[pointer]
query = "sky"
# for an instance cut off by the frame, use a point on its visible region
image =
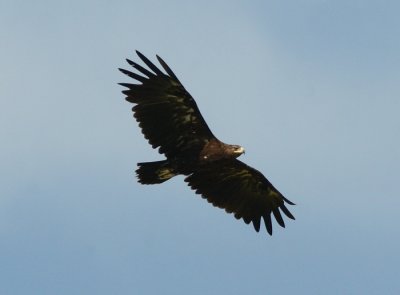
(310, 88)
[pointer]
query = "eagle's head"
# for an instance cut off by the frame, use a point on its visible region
(236, 150)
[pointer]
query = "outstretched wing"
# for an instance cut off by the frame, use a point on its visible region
(241, 190)
(166, 112)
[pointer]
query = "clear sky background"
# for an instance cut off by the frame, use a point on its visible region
(310, 88)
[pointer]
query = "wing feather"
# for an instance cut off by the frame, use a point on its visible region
(149, 63)
(133, 75)
(241, 190)
(167, 114)
(167, 68)
(140, 68)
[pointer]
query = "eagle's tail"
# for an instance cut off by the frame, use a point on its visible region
(154, 172)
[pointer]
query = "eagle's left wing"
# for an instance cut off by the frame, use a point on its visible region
(166, 112)
(241, 190)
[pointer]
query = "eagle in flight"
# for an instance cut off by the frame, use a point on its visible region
(171, 121)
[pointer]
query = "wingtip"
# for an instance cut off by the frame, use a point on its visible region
(141, 55)
(287, 201)
(167, 68)
(286, 211)
(278, 217)
(154, 68)
(256, 224)
(160, 60)
(268, 222)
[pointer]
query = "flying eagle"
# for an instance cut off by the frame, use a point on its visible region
(171, 121)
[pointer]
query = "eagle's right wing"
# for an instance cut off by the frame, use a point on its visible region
(166, 112)
(241, 190)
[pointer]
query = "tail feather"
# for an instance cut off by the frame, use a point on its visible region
(154, 172)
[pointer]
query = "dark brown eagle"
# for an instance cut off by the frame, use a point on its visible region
(171, 121)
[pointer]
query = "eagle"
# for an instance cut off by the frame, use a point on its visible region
(172, 123)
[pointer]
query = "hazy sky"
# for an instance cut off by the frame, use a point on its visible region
(310, 88)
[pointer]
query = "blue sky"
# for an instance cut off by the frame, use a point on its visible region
(310, 88)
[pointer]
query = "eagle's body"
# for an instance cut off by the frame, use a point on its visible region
(171, 121)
